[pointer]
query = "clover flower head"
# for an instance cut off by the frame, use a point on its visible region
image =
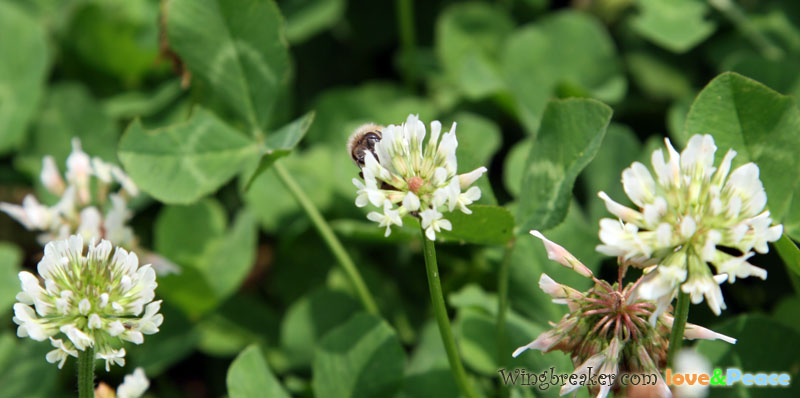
(606, 328)
(86, 205)
(408, 175)
(94, 300)
(684, 214)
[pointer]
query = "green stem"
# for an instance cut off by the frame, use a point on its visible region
(502, 308)
(329, 237)
(86, 373)
(439, 309)
(678, 326)
(405, 23)
(732, 11)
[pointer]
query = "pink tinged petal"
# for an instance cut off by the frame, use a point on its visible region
(693, 332)
(557, 253)
(543, 343)
(466, 179)
(623, 212)
(594, 362)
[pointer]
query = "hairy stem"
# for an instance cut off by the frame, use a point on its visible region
(678, 326)
(329, 237)
(439, 309)
(86, 373)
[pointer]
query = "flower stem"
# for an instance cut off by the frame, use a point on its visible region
(678, 326)
(439, 309)
(86, 373)
(405, 23)
(502, 308)
(329, 237)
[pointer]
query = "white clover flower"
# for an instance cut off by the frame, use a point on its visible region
(684, 214)
(415, 177)
(86, 207)
(134, 385)
(94, 299)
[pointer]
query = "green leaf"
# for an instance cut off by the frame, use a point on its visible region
(761, 347)
(184, 162)
(789, 253)
(659, 79)
(217, 273)
(10, 260)
(757, 122)
(361, 358)
(537, 64)
(468, 40)
(620, 148)
(22, 73)
(250, 377)
(306, 18)
(23, 369)
(569, 138)
(280, 144)
(487, 225)
(117, 38)
(514, 165)
(240, 321)
(130, 104)
(478, 140)
(676, 25)
(182, 232)
(309, 318)
(236, 48)
(69, 111)
(428, 372)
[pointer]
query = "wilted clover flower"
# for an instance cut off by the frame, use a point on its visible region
(689, 210)
(86, 207)
(94, 300)
(404, 175)
(606, 328)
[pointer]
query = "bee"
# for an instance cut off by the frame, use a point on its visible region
(364, 139)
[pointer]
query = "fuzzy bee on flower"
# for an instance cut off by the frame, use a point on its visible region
(403, 175)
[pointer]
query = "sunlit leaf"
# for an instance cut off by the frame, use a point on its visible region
(569, 138)
(184, 162)
(237, 48)
(757, 122)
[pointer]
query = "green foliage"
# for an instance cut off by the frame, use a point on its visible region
(757, 122)
(198, 100)
(237, 49)
(675, 25)
(22, 73)
(362, 357)
(10, 259)
(538, 66)
(184, 162)
(249, 376)
(568, 139)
